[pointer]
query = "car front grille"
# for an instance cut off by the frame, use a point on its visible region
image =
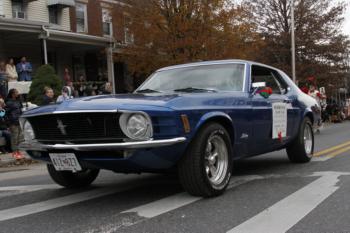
(77, 127)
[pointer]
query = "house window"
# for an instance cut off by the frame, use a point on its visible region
(81, 14)
(129, 36)
(53, 14)
(107, 22)
(18, 11)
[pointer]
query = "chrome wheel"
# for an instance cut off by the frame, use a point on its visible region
(308, 139)
(216, 159)
(205, 168)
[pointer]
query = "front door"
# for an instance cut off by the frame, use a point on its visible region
(263, 110)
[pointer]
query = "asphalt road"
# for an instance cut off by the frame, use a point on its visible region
(266, 194)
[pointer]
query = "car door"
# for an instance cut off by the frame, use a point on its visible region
(290, 99)
(262, 114)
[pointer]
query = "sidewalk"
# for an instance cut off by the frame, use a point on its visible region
(6, 160)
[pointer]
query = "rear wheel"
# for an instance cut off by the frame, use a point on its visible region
(302, 148)
(205, 169)
(69, 179)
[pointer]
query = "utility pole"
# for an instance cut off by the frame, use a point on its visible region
(293, 39)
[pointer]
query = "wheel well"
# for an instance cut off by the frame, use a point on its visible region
(310, 116)
(226, 123)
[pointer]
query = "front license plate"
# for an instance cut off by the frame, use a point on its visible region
(65, 162)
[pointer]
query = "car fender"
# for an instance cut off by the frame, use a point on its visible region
(214, 116)
(313, 113)
(306, 113)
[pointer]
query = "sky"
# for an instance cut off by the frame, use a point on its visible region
(346, 27)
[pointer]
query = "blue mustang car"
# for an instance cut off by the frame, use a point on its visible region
(196, 119)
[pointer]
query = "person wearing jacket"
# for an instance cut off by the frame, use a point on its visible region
(14, 110)
(3, 127)
(11, 71)
(3, 79)
(24, 70)
(48, 96)
(66, 94)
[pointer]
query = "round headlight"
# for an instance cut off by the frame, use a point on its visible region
(136, 126)
(28, 131)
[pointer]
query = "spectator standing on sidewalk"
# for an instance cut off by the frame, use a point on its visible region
(3, 127)
(107, 89)
(81, 86)
(66, 77)
(3, 79)
(11, 71)
(24, 70)
(14, 110)
(314, 93)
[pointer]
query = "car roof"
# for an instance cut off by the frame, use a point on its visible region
(215, 62)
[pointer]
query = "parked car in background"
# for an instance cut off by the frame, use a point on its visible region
(196, 119)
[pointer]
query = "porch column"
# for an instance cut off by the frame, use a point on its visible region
(110, 67)
(45, 51)
(43, 39)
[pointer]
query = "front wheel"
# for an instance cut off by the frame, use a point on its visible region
(302, 148)
(69, 179)
(205, 169)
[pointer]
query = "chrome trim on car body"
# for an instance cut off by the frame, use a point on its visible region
(37, 146)
(69, 112)
(82, 111)
(205, 63)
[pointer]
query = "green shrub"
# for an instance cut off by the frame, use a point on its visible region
(45, 76)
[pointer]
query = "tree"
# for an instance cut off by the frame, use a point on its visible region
(171, 32)
(44, 77)
(320, 44)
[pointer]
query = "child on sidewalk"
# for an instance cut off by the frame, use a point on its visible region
(14, 111)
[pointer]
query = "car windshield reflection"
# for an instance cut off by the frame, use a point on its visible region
(204, 78)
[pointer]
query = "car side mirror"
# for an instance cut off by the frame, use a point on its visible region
(256, 86)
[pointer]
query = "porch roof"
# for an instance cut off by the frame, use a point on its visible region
(64, 3)
(77, 38)
(50, 32)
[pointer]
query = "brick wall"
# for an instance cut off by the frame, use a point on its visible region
(118, 23)
(73, 21)
(94, 18)
(94, 13)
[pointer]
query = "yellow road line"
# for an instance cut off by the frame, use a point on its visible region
(331, 149)
(338, 152)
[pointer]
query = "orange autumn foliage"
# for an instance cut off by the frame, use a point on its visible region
(171, 32)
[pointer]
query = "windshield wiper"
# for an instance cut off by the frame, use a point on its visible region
(147, 91)
(194, 89)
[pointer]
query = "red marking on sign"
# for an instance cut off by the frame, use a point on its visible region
(280, 136)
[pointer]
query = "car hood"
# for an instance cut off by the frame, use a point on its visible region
(139, 102)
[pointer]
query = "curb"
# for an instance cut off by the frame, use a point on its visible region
(14, 162)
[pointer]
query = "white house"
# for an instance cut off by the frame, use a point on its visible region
(41, 31)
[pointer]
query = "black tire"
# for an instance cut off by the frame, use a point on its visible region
(69, 179)
(297, 153)
(192, 168)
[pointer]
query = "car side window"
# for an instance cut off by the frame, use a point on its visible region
(281, 83)
(262, 74)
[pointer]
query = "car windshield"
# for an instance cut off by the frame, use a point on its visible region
(205, 78)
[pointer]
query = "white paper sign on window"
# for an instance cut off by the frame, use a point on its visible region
(279, 120)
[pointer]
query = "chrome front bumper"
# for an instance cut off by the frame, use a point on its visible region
(37, 146)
